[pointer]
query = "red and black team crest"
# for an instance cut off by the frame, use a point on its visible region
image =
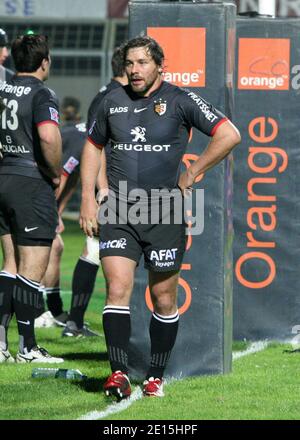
(160, 107)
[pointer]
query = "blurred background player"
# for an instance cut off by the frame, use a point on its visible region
(5, 74)
(85, 272)
(29, 175)
(73, 134)
(73, 137)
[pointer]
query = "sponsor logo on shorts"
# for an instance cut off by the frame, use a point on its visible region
(264, 64)
(113, 244)
(164, 257)
(184, 49)
(30, 229)
(113, 110)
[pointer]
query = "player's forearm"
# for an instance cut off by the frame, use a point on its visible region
(218, 148)
(89, 169)
(62, 202)
(102, 181)
(51, 146)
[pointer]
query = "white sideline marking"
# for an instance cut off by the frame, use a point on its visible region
(137, 393)
(114, 408)
(254, 348)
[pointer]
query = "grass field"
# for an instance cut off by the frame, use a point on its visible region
(263, 385)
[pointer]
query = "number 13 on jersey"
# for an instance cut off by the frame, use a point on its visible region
(9, 117)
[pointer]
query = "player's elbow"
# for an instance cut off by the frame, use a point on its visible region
(233, 137)
(236, 137)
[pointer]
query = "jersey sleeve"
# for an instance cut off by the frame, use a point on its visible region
(45, 107)
(98, 133)
(198, 113)
(72, 150)
(92, 111)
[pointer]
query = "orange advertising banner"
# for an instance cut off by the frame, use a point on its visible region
(264, 64)
(185, 54)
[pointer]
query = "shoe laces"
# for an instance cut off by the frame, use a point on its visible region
(119, 375)
(41, 350)
(153, 384)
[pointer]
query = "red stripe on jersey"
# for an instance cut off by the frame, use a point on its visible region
(217, 126)
(47, 122)
(99, 146)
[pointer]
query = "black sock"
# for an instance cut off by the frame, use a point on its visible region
(83, 283)
(54, 301)
(7, 283)
(26, 300)
(116, 325)
(41, 309)
(163, 332)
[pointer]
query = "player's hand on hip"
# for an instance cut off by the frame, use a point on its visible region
(102, 195)
(88, 216)
(185, 183)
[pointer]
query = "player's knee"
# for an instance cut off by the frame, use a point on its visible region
(164, 303)
(118, 292)
(9, 265)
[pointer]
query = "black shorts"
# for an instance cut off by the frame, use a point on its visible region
(28, 209)
(163, 245)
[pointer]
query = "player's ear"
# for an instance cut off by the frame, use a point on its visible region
(44, 64)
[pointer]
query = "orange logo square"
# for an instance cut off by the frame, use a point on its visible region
(184, 50)
(264, 64)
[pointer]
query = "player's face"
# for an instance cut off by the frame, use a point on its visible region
(3, 54)
(142, 71)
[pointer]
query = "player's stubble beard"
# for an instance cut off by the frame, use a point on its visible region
(148, 83)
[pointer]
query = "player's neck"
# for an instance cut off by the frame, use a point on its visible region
(36, 74)
(121, 79)
(156, 85)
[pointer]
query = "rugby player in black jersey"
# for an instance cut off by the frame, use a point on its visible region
(148, 124)
(29, 175)
(73, 133)
(5, 73)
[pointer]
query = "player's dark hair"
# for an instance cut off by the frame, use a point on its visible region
(151, 46)
(70, 101)
(70, 108)
(28, 52)
(117, 62)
